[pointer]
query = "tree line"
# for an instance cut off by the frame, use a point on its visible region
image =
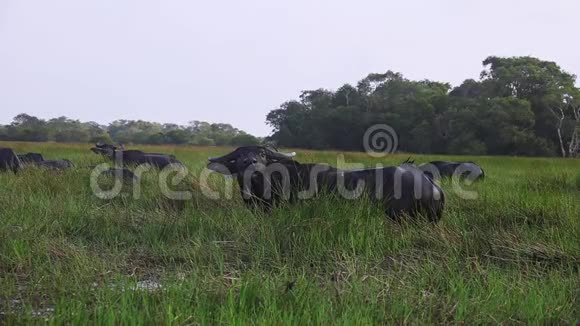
(517, 106)
(29, 128)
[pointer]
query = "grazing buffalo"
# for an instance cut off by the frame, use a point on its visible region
(443, 169)
(137, 152)
(266, 177)
(135, 157)
(9, 160)
(31, 158)
(55, 164)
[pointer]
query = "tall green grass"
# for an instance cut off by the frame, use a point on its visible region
(68, 257)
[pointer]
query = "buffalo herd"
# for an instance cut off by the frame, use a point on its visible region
(267, 177)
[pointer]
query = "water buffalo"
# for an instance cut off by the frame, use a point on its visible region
(55, 164)
(31, 158)
(266, 177)
(137, 152)
(158, 160)
(9, 160)
(443, 169)
(136, 157)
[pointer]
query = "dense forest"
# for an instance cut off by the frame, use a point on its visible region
(518, 106)
(29, 128)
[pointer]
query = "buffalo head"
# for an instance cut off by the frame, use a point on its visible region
(253, 157)
(107, 150)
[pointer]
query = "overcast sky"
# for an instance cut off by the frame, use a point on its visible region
(234, 61)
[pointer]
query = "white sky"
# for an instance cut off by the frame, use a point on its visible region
(234, 61)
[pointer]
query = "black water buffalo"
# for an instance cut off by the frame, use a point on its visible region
(266, 177)
(158, 160)
(9, 160)
(444, 169)
(136, 152)
(31, 158)
(106, 149)
(55, 164)
(136, 157)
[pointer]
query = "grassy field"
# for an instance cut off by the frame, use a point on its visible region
(67, 257)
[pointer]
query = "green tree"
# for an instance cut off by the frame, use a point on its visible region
(520, 106)
(549, 89)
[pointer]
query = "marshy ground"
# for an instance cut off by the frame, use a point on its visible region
(66, 256)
